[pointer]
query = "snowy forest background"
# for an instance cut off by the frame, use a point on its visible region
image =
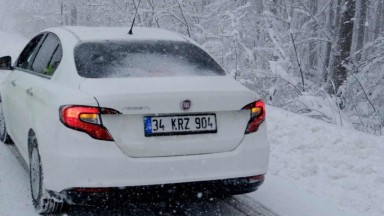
(321, 58)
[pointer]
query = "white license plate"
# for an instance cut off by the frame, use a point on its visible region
(179, 125)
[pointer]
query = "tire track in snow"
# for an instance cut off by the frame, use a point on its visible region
(248, 206)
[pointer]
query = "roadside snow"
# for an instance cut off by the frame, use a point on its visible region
(15, 196)
(321, 169)
(288, 198)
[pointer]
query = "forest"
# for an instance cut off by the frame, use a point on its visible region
(319, 58)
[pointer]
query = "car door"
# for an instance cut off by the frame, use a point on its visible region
(42, 90)
(32, 86)
(15, 95)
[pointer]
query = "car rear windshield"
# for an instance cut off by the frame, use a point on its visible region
(115, 59)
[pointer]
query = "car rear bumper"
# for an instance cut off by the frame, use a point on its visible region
(204, 189)
(80, 162)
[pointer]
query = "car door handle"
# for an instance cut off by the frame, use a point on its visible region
(13, 82)
(29, 92)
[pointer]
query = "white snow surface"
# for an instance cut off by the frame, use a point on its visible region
(15, 198)
(316, 168)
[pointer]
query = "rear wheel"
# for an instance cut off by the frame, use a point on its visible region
(45, 202)
(4, 137)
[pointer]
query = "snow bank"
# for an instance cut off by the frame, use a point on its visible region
(15, 196)
(312, 159)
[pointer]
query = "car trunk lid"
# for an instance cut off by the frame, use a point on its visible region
(138, 99)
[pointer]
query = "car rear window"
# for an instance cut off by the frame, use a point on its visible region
(114, 59)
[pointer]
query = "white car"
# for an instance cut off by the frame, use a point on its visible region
(94, 110)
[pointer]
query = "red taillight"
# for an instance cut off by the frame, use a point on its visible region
(86, 119)
(257, 112)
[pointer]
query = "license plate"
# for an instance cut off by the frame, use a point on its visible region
(179, 125)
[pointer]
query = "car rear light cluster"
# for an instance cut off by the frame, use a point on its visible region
(86, 119)
(258, 112)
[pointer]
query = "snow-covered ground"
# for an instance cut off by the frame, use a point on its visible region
(321, 169)
(316, 168)
(15, 196)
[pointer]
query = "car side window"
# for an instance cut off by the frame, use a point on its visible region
(25, 59)
(49, 56)
(55, 61)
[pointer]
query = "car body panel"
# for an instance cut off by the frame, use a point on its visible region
(81, 163)
(164, 94)
(136, 98)
(15, 102)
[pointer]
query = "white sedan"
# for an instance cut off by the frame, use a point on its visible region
(96, 110)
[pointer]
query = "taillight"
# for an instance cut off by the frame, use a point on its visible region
(257, 115)
(86, 119)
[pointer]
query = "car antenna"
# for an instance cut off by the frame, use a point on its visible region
(134, 18)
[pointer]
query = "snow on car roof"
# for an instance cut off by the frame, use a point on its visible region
(118, 33)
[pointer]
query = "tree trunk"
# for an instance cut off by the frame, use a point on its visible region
(379, 19)
(135, 7)
(154, 17)
(330, 23)
(361, 27)
(73, 14)
(382, 17)
(312, 45)
(255, 13)
(343, 44)
(62, 13)
(369, 30)
(184, 18)
(335, 27)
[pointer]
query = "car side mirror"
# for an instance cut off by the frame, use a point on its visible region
(6, 63)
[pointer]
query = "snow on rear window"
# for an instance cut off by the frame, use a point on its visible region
(114, 59)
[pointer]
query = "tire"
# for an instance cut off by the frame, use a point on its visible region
(45, 202)
(4, 137)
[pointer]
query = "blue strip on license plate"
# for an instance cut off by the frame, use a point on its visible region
(148, 125)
